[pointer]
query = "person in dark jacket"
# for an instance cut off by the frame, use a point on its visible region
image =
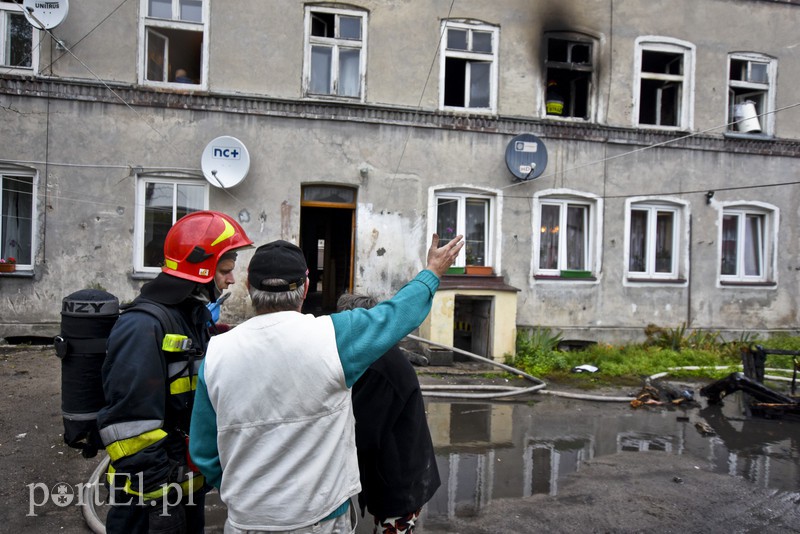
(396, 459)
(149, 379)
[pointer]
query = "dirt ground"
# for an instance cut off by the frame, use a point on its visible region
(643, 492)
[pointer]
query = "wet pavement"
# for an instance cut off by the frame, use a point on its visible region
(503, 450)
(535, 463)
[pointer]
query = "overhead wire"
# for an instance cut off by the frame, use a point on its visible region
(644, 148)
(421, 96)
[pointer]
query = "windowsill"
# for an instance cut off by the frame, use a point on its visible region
(750, 136)
(334, 98)
(567, 119)
(651, 127)
(468, 111)
(675, 281)
(466, 281)
(173, 86)
(557, 278)
(19, 274)
(731, 283)
(139, 275)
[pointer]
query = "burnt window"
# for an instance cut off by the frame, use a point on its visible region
(569, 72)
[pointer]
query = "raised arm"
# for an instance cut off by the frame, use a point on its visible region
(441, 258)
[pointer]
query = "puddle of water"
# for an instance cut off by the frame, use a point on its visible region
(488, 451)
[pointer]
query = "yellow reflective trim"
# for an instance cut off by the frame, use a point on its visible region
(127, 447)
(187, 486)
(226, 233)
(171, 264)
(183, 385)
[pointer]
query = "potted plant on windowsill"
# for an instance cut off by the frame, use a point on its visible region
(480, 270)
(8, 265)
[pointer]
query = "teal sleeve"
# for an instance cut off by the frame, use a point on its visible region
(203, 433)
(363, 336)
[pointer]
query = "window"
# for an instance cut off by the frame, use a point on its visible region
(335, 52)
(751, 98)
(17, 200)
(564, 237)
(162, 200)
(748, 241)
(468, 69)
(665, 69)
(175, 48)
(472, 215)
(17, 38)
(654, 243)
(569, 73)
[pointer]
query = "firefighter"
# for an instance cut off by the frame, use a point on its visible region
(149, 378)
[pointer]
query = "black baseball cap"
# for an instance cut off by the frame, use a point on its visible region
(278, 259)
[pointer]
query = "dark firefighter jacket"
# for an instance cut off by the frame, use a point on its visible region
(149, 394)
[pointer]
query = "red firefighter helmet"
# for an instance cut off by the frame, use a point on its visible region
(195, 243)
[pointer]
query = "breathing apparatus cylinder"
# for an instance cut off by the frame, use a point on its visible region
(87, 317)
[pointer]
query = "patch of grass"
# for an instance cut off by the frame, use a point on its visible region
(663, 350)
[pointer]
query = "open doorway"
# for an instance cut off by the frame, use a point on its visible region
(327, 224)
(472, 326)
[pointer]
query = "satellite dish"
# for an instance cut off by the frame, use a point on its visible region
(45, 14)
(225, 162)
(526, 156)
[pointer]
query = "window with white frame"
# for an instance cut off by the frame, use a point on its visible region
(468, 69)
(751, 98)
(336, 49)
(19, 51)
(653, 242)
(470, 214)
(162, 200)
(18, 203)
(565, 228)
(175, 43)
(748, 241)
(569, 76)
(665, 83)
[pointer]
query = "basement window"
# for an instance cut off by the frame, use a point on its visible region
(751, 98)
(569, 74)
(174, 43)
(665, 84)
(468, 68)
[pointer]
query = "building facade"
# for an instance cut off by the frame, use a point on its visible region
(663, 139)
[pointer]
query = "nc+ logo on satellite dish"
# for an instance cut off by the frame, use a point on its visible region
(222, 152)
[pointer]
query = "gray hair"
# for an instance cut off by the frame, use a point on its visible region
(270, 302)
(351, 301)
